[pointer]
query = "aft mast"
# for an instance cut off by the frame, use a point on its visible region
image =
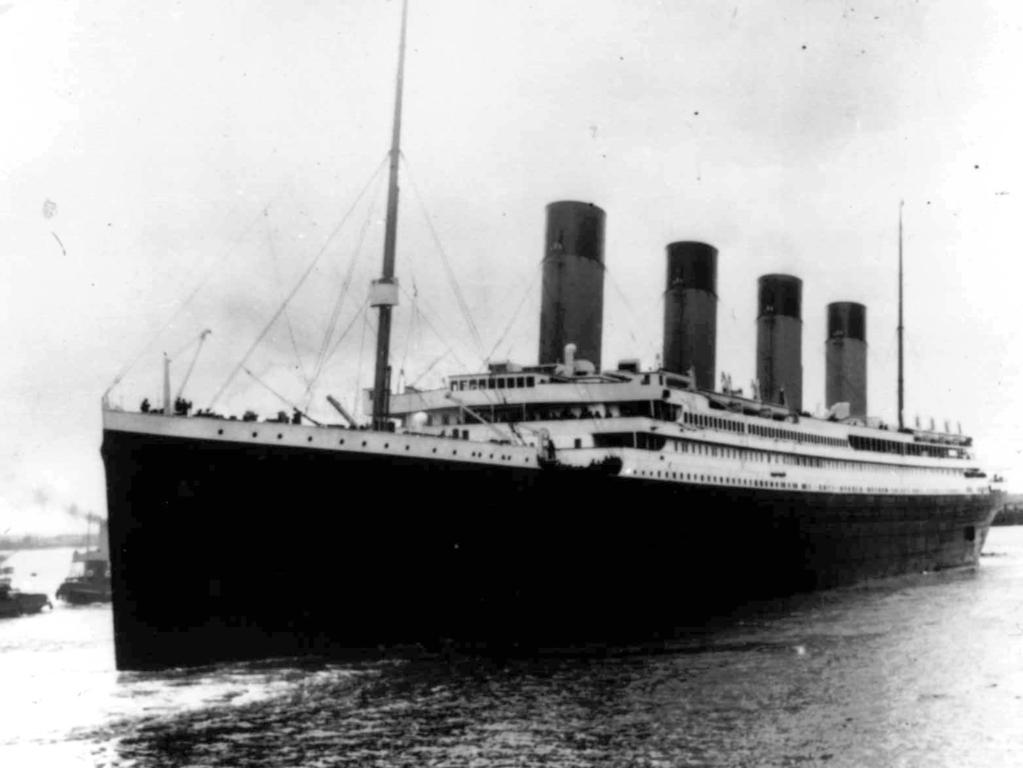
(384, 292)
(900, 329)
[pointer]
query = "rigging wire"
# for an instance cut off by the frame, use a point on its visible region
(188, 300)
(358, 369)
(280, 397)
(344, 333)
(185, 347)
(305, 275)
(431, 366)
(426, 321)
(191, 365)
(287, 317)
(518, 309)
(423, 318)
(411, 328)
(632, 313)
(459, 296)
(331, 327)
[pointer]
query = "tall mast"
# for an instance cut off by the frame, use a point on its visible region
(901, 392)
(384, 292)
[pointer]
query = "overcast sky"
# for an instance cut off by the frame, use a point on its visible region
(173, 167)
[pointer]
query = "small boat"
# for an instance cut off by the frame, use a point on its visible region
(89, 581)
(90, 584)
(14, 602)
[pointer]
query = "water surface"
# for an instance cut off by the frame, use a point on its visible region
(923, 671)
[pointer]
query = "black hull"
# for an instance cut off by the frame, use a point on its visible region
(223, 550)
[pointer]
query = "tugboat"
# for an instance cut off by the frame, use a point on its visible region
(89, 581)
(14, 602)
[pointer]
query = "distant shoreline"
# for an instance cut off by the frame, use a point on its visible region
(1011, 512)
(40, 541)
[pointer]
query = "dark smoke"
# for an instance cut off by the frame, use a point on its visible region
(78, 514)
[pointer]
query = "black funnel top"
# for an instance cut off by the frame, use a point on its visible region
(575, 228)
(780, 295)
(848, 319)
(693, 265)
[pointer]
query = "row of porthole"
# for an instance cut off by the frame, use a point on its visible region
(475, 454)
(759, 483)
(715, 479)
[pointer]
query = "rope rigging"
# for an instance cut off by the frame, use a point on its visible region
(456, 289)
(424, 317)
(362, 347)
(411, 329)
(348, 327)
(188, 300)
(281, 397)
(287, 316)
(305, 275)
(515, 314)
(634, 319)
(323, 357)
(430, 367)
(191, 366)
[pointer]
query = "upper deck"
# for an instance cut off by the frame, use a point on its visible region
(591, 405)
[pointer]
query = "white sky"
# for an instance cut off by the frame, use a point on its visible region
(783, 132)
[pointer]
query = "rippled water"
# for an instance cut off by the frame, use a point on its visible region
(925, 671)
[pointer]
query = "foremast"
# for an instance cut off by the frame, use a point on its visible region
(384, 292)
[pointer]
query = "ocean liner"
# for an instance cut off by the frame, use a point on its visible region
(557, 503)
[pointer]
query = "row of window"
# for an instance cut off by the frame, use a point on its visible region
(757, 483)
(713, 422)
(861, 443)
(493, 382)
(707, 421)
(655, 442)
(504, 413)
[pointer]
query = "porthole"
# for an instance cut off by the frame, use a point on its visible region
(386, 445)
(280, 436)
(341, 441)
(255, 434)
(220, 431)
(363, 443)
(309, 439)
